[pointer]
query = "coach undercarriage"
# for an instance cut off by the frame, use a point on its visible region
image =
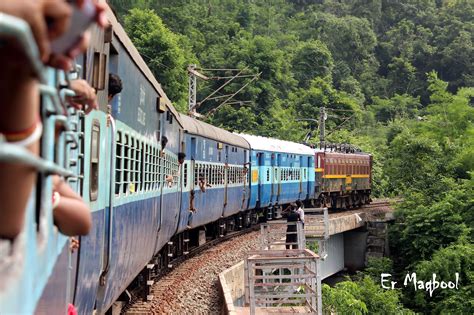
(343, 200)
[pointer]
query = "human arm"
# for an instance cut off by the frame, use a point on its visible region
(71, 215)
(85, 96)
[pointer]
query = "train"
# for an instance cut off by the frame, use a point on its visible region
(158, 183)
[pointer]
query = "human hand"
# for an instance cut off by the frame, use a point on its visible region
(85, 95)
(36, 13)
(64, 61)
(73, 244)
(48, 19)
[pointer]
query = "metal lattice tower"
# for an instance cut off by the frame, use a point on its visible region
(192, 94)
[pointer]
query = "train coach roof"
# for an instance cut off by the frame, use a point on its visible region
(347, 155)
(276, 145)
(138, 60)
(196, 127)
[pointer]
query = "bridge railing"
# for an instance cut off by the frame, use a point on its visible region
(278, 235)
(283, 278)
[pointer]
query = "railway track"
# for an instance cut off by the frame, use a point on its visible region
(177, 289)
(377, 204)
(197, 250)
(168, 275)
(192, 287)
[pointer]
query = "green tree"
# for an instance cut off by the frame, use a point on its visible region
(163, 51)
(398, 107)
(312, 59)
(445, 263)
(362, 297)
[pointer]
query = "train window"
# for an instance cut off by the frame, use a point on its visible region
(155, 169)
(159, 166)
(95, 153)
(138, 165)
(142, 162)
(223, 175)
(132, 164)
(146, 166)
(151, 168)
(118, 162)
(161, 161)
(196, 173)
(209, 174)
(125, 164)
(214, 174)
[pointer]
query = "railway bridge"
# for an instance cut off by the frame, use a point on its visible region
(342, 241)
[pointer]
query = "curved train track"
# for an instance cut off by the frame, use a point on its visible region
(173, 275)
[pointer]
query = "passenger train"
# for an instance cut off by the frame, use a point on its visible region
(157, 182)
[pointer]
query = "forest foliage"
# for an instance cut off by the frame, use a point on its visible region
(397, 78)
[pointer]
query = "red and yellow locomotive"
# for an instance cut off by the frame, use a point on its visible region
(343, 180)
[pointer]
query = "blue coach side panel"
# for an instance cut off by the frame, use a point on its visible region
(138, 207)
(220, 158)
(284, 171)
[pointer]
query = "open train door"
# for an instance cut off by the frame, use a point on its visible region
(301, 193)
(247, 180)
(261, 180)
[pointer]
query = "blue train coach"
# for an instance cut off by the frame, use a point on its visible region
(281, 172)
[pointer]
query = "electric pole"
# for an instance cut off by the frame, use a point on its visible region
(322, 125)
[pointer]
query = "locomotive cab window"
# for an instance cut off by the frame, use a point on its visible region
(94, 166)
